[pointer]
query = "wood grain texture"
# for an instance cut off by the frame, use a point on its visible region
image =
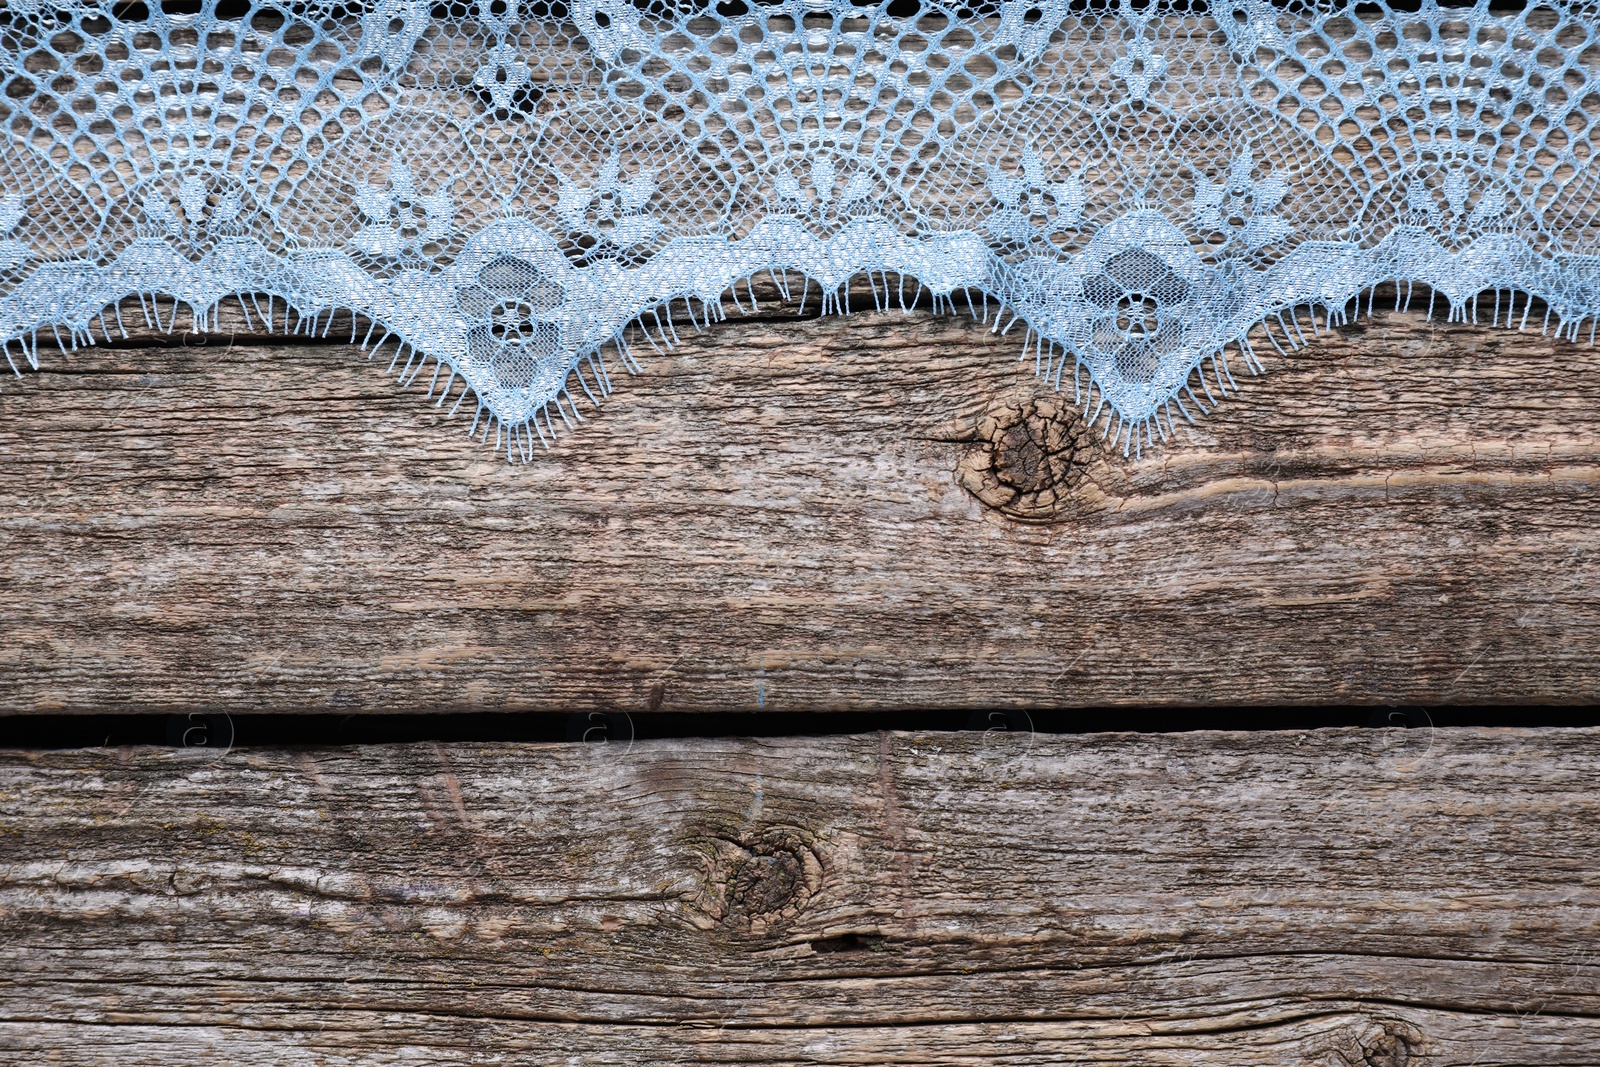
(880, 510)
(1334, 898)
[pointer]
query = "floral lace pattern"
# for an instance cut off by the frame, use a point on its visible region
(508, 190)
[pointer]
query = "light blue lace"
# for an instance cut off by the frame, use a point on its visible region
(1152, 192)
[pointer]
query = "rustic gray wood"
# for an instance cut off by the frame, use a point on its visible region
(1338, 898)
(881, 510)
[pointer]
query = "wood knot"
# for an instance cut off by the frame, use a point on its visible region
(1031, 454)
(1385, 1044)
(760, 882)
(1387, 1048)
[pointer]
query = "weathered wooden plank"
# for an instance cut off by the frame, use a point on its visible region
(1344, 898)
(882, 510)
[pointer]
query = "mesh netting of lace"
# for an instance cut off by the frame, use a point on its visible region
(506, 191)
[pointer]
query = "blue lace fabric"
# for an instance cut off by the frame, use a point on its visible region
(506, 193)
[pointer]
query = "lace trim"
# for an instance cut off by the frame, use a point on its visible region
(507, 190)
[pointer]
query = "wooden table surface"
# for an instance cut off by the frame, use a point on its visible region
(1335, 898)
(793, 514)
(884, 510)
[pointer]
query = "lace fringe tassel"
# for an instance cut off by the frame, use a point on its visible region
(1200, 390)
